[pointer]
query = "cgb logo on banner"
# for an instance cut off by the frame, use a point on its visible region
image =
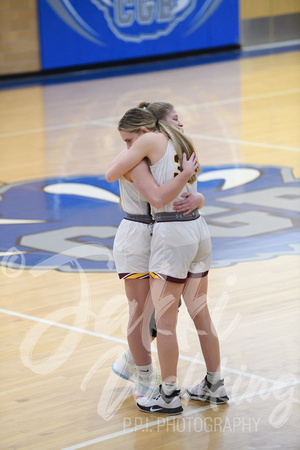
(135, 20)
(106, 30)
(69, 224)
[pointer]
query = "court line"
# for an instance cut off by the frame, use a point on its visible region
(197, 136)
(278, 385)
(109, 122)
(102, 123)
(123, 341)
(61, 325)
(271, 45)
(170, 418)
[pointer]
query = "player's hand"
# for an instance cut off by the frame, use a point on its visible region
(189, 203)
(190, 165)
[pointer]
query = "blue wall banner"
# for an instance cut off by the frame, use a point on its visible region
(80, 32)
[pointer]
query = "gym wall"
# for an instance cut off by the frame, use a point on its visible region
(269, 21)
(38, 35)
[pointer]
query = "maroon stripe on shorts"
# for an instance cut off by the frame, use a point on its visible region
(197, 275)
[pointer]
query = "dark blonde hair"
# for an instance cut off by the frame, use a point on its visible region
(135, 118)
(158, 109)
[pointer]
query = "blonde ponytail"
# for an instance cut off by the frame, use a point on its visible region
(182, 144)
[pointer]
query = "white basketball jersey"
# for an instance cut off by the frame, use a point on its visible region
(166, 169)
(132, 201)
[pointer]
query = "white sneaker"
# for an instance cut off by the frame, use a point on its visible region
(147, 388)
(207, 392)
(161, 403)
(125, 369)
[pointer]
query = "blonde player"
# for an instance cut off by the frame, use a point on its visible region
(179, 261)
(132, 253)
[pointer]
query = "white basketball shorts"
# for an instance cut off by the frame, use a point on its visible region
(132, 249)
(180, 250)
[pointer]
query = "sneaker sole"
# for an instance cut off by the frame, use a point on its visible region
(169, 411)
(131, 378)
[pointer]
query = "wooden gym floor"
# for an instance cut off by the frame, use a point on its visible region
(61, 331)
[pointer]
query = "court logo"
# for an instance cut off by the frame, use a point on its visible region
(133, 20)
(69, 224)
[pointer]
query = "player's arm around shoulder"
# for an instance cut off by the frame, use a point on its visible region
(144, 181)
(159, 196)
(115, 168)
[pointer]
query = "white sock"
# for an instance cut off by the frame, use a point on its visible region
(213, 377)
(145, 371)
(168, 388)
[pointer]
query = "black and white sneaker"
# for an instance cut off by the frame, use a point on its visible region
(161, 403)
(207, 392)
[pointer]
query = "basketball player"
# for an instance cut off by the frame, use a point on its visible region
(179, 261)
(132, 243)
(134, 239)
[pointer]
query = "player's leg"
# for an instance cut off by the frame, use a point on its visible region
(139, 340)
(166, 296)
(195, 297)
(140, 310)
(131, 255)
